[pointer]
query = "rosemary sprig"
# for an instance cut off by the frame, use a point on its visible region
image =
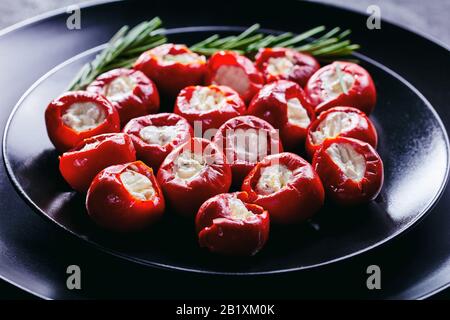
(329, 44)
(121, 51)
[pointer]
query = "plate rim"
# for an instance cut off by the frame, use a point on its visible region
(410, 225)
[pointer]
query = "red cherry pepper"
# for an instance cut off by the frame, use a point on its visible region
(351, 170)
(283, 104)
(287, 186)
(172, 67)
(80, 165)
(78, 115)
(229, 225)
(235, 71)
(245, 141)
(343, 122)
(125, 197)
(130, 91)
(193, 173)
(341, 84)
(285, 64)
(155, 136)
(211, 106)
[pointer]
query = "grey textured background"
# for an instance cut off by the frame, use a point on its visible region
(427, 16)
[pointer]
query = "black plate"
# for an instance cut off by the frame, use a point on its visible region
(409, 129)
(35, 254)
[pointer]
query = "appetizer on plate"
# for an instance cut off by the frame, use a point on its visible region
(130, 91)
(172, 67)
(350, 169)
(208, 106)
(228, 224)
(155, 136)
(283, 104)
(78, 115)
(125, 197)
(193, 173)
(340, 122)
(81, 164)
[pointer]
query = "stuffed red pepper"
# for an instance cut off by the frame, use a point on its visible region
(78, 115)
(80, 165)
(285, 64)
(231, 69)
(172, 67)
(283, 104)
(245, 140)
(125, 197)
(209, 106)
(193, 173)
(340, 122)
(130, 91)
(156, 135)
(286, 186)
(228, 224)
(351, 170)
(341, 84)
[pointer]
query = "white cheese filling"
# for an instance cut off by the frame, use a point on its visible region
(189, 165)
(137, 184)
(238, 209)
(334, 124)
(280, 66)
(249, 145)
(158, 135)
(233, 77)
(352, 163)
(332, 86)
(82, 116)
(297, 115)
(206, 99)
(273, 179)
(90, 146)
(184, 58)
(119, 88)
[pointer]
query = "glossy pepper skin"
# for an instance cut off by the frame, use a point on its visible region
(187, 195)
(113, 207)
(141, 100)
(171, 76)
(342, 189)
(361, 95)
(301, 66)
(271, 104)
(64, 137)
(298, 200)
(214, 118)
(222, 232)
(363, 129)
(153, 154)
(80, 165)
(231, 69)
(265, 135)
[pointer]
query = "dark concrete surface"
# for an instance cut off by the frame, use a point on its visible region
(430, 17)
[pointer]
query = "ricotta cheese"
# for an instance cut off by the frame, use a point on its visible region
(189, 165)
(137, 184)
(273, 179)
(297, 115)
(119, 88)
(161, 136)
(82, 116)
(352, 163)
(334, 124)
(238, 209)
(206, 99)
